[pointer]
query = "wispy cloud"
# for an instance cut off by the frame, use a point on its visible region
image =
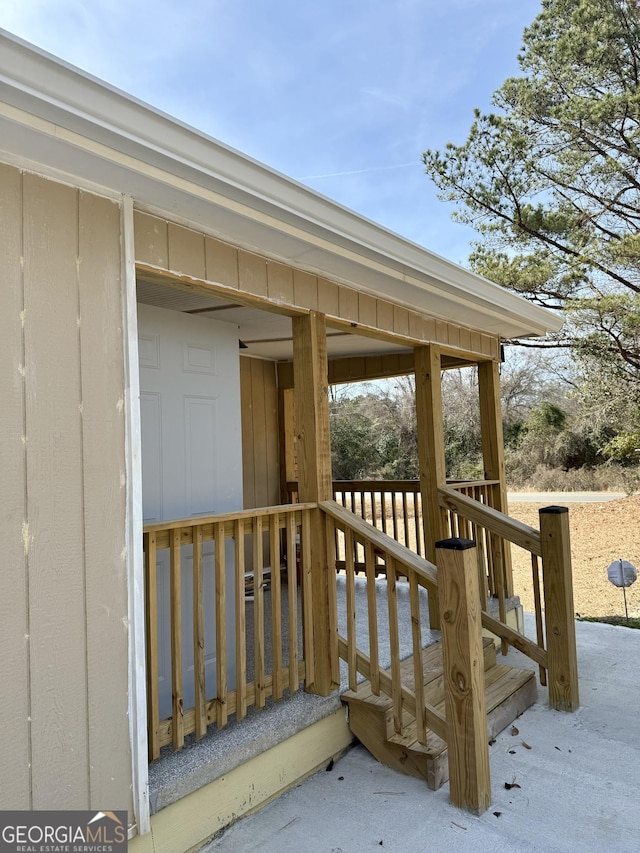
(390, 98)
(358, 171)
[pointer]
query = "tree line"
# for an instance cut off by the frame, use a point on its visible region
(552, 439)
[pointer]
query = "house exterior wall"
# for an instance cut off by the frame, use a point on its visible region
(260, 439)
(64, 727)
(165, 246)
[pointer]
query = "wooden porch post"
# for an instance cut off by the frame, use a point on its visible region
(314, 484)
(286, 418)
(558, 608)
(493, 456)
(463, 674)
(429, 421)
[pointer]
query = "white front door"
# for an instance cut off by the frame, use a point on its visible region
(191, 463)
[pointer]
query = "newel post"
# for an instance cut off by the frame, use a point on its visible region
(463, 672)
(558, 608)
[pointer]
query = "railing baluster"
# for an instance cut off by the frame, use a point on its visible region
(292, 593)
(258, 612)
(394, 515)
(405, 515)
(151, 601)
(276, 607)
(417, 504)
(221, 626)
(332, 596)
(307, 598)
(476, 536)
(383, 510)
(394, 645)
(372, 611)
(418, 676)
(198, 634)
(498, 569)
(177, 710)
(351, 610)
(241, 622)
(535, 570)
(488, 555)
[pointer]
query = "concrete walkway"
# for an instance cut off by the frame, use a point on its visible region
(575, 786)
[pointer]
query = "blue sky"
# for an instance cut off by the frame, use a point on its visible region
(342, 95)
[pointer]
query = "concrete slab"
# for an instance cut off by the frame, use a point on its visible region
(574, 785)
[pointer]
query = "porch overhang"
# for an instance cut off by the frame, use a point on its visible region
(61, 120)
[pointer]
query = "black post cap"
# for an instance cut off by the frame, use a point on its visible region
(554, 509)
(455, 544)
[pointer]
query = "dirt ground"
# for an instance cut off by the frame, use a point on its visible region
(600, 534)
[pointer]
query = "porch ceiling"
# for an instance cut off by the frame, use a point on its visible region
(266, 334)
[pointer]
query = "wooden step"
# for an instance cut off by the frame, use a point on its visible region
(431, 673)
(509, 692)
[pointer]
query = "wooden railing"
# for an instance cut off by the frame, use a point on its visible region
(464, 727)
(361, 543)
(555, 648)
(494, 559)
(395, 508)
(263, 544)
(222, 557)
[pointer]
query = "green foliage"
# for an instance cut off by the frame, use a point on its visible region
(354, 452)
(551, 181)
(554, 439)
(373, 435)
(546, 419)
(620, 621)
(551, 440)
(623, 448)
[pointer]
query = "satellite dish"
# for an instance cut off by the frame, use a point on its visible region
(622, 573)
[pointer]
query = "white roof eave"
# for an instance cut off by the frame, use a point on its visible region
(71, 122)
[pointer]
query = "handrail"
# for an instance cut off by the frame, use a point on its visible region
(425, 570)
(357, 533)
(236, 515)
(376, 485)
(492, 519)
(394, 485)
(557, 630)
(468, 484)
